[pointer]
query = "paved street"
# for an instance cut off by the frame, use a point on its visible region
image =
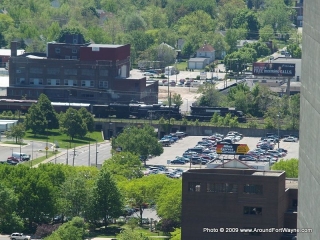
(98, 152)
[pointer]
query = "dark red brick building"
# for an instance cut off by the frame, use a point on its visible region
(76, 71)
(217, 203)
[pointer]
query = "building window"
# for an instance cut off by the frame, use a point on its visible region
(20, 80)
(75, 82)
(194, 186)
(103, 72)
(74, 50)
(87, 95)
(222, 187)
(87, 83)
(57, 50)
(40, 81)
(36, 70)
(70, 71)
(57, 82)
(252, 210)
(253, 189)
(103, 84)
(48, 81)
(53, 71)
(31, 81)
(66, 82)
(87, 72)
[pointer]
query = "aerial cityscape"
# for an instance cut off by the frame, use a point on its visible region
(161, 119)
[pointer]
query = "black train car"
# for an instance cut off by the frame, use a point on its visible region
(157, 111)
(205, 113)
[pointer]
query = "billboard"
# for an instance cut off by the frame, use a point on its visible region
(274, 69)
(232, 149)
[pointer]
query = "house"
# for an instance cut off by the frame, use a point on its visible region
(230, 203)
(241, 43)
(79, 72)
(205, 55)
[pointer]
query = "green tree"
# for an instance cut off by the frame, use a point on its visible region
(48, 110)
(266, 33)
(169, 201)
(107, 198)
(290, 166)
(210, 96)
(176, 234)
(36, 120)
(17, 131)
(73, 230)
(140, 141)
(74, 194)
(269, 123)
(87, 118)
(129, 234)
(9, 220)
(124, 165)
(177, 99)
(295, 50)
(72, 124)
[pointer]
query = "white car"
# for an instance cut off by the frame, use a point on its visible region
(290, 139)
(19, 236)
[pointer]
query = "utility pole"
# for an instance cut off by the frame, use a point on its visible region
(168, 84)
(96, 153)
(89, 156)
(74, 154)
(67, 156)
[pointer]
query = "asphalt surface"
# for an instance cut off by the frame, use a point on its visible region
(178, 148)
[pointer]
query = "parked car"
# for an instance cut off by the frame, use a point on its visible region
(290, 139)
(178, 161)
(19, 236)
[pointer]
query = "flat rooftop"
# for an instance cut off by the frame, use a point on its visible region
(292, 183)
(235, 171)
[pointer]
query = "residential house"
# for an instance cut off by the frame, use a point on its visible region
(205, 55)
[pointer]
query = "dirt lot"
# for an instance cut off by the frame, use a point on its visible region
(183, 91)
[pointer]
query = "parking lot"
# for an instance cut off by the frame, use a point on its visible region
(178, 148)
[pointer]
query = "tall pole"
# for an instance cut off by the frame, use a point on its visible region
(31, 152)
(96, 153)
(74, 154)
(278, 129)
(67, 156)
(20, 150)
(89, 156)
(168, 85)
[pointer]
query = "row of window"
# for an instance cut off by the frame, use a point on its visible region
(226, 188)
(37, 93)
(68, 71)
(58, 50)
(66, 82)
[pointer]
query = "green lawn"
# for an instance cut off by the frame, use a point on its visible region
(182, 65)
(54, 136)
(39, 160)
(14, 142)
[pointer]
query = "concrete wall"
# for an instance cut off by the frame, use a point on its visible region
(116, 127)
(309, 165)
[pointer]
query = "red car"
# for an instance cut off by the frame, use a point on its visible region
(14, 159)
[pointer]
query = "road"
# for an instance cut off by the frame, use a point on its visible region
(33, 148)
(80, 156)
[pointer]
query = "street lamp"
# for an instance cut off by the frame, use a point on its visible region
(20, 149)
(278, 129)
(47, 139)
(187, 104)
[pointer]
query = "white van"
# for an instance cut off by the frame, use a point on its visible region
(22, 156)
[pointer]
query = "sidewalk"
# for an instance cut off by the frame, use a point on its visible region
(63, 152)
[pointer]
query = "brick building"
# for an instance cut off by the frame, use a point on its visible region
(237, 198)
(76, 71)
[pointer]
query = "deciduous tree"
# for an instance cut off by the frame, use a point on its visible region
(72, 124)
(17, 131)
(49, 112)
(290, 166)
(36, 120)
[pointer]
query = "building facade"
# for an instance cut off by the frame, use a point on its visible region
(309, 166)
(76, 71)
(218, 203)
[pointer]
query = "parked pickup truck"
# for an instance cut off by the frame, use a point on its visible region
(19, 236)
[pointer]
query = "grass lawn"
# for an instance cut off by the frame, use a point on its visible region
(182, 65)
(38, 160)
(14, 142)
(113, 230)
(54, 136)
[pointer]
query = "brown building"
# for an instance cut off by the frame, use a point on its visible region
(76, 71)
(218, 203)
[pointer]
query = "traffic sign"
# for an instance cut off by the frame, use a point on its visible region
(46, 148)
(232, 149)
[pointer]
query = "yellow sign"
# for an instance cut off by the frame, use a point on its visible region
(242, 149)
(47, 148)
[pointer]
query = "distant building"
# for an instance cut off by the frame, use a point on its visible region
(78, 72)
(205, 55)
(5, 55)
(218, 203)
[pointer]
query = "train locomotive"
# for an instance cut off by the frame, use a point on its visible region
(130, 110)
